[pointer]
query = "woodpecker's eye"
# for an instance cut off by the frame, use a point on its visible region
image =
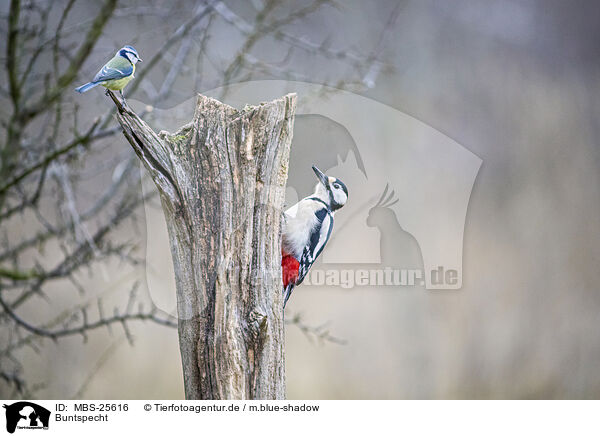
(336, 186)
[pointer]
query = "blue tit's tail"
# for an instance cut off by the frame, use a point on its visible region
(87, 86)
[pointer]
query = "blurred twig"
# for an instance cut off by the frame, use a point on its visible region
(320, 332)
(86, 326)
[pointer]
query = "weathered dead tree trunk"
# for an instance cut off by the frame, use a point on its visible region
(221, 180)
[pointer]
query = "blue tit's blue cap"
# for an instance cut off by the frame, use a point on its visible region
(130, 49)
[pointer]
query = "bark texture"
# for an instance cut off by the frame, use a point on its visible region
(222, 180)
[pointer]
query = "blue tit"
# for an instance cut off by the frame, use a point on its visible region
(117, 72)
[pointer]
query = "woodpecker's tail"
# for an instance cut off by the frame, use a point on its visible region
(287, 293)
(85, 87)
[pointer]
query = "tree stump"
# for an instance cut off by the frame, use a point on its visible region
(222, 181)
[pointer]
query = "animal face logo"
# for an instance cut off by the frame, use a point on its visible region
(417, 222)
(26, 415)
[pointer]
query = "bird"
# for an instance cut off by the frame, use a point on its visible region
(116, 73)
(307, 227)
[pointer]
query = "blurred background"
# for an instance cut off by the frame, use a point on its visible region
(86, 292)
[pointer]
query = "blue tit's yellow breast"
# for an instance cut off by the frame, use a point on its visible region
(119, 84)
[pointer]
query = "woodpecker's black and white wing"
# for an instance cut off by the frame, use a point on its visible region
(318, 238)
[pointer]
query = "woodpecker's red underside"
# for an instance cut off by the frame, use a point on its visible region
(289, 269)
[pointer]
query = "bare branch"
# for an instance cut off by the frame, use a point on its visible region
(13, 379)
(85, 326)
(301, 42)
(79, 58)
(375, 65)
(104, 358)
(90, 213)
(27, 202)
(78, 140)
(16, 275)
(200, 12)
(11, 53)
(321, 332)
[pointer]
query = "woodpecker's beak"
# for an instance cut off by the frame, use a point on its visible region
(139, 60)
(322, 177)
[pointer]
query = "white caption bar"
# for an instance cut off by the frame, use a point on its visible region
(299, 417)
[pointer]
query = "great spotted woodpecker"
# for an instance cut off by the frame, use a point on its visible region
(306, 229)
